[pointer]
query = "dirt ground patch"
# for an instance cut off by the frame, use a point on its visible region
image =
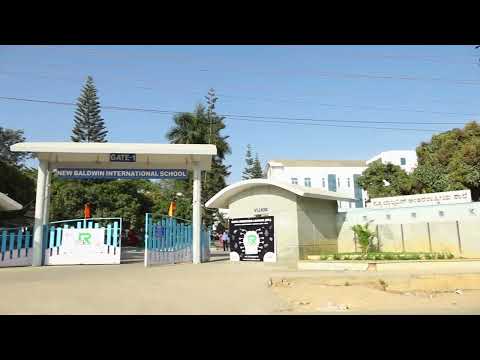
(440, 294)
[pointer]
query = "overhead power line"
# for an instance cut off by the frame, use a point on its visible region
(253, 118)
(353, 107)
(115, 54)
(341, 126)
(274, 100)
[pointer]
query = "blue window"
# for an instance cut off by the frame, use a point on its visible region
(307, 182)
(332, 182)
(323, 182)
(403, 161)
(358, 192)
(294, 181)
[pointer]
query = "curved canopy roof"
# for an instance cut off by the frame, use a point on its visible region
(8, 204)
(71, 154)
(222, 198)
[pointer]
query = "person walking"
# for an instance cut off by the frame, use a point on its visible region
(225, 241)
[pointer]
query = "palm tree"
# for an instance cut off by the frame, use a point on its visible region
(201, 127)
(194, 128)
(188, 129)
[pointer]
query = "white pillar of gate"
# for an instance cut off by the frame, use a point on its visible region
(46, 203)
(197, 213)
(39, 213)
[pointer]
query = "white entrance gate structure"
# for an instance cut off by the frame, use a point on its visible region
(115, 156)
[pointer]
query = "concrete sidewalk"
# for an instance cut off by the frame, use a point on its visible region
(456, 266)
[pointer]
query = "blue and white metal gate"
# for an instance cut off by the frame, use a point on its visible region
(16, 246)
(169, 241)
(107, 252)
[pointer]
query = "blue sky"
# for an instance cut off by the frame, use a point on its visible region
(335, 83)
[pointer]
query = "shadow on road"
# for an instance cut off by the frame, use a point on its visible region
(132, 255)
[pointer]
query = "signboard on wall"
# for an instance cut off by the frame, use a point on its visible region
(121, 173)
(448, 197)
(252, 239)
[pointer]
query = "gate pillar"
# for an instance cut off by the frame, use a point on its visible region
(197, 214)
(40, 211)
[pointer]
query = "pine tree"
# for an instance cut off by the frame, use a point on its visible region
(89, 125)
(204, 126)
(247, 172)
(256, 172)
(211, 99)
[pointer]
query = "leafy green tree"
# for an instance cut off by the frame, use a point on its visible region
(18, 185)
(89, 125)
(450, 161)
(128, 199)
(381, 180)
(9, 137)
(430, 178)
(17, 180)
(246, 174)
(163, 192)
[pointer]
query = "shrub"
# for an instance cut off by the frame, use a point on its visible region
(365, 237)
(441, 256)
(450, 256)
(336, 257)
(383, 284)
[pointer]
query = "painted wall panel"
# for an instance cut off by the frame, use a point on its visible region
(390, 237)
(470, 238)
(444, 237)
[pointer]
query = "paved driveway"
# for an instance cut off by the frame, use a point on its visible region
(219, 287)
(222, 287)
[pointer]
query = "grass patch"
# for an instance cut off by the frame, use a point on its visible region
(379, 256)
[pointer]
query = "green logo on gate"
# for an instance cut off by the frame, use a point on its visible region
(84, 238)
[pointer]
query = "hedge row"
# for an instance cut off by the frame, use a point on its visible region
(388, 256)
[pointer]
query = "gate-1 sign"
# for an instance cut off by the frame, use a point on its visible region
(114, 157)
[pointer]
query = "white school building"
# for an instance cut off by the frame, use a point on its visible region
(336, 175)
